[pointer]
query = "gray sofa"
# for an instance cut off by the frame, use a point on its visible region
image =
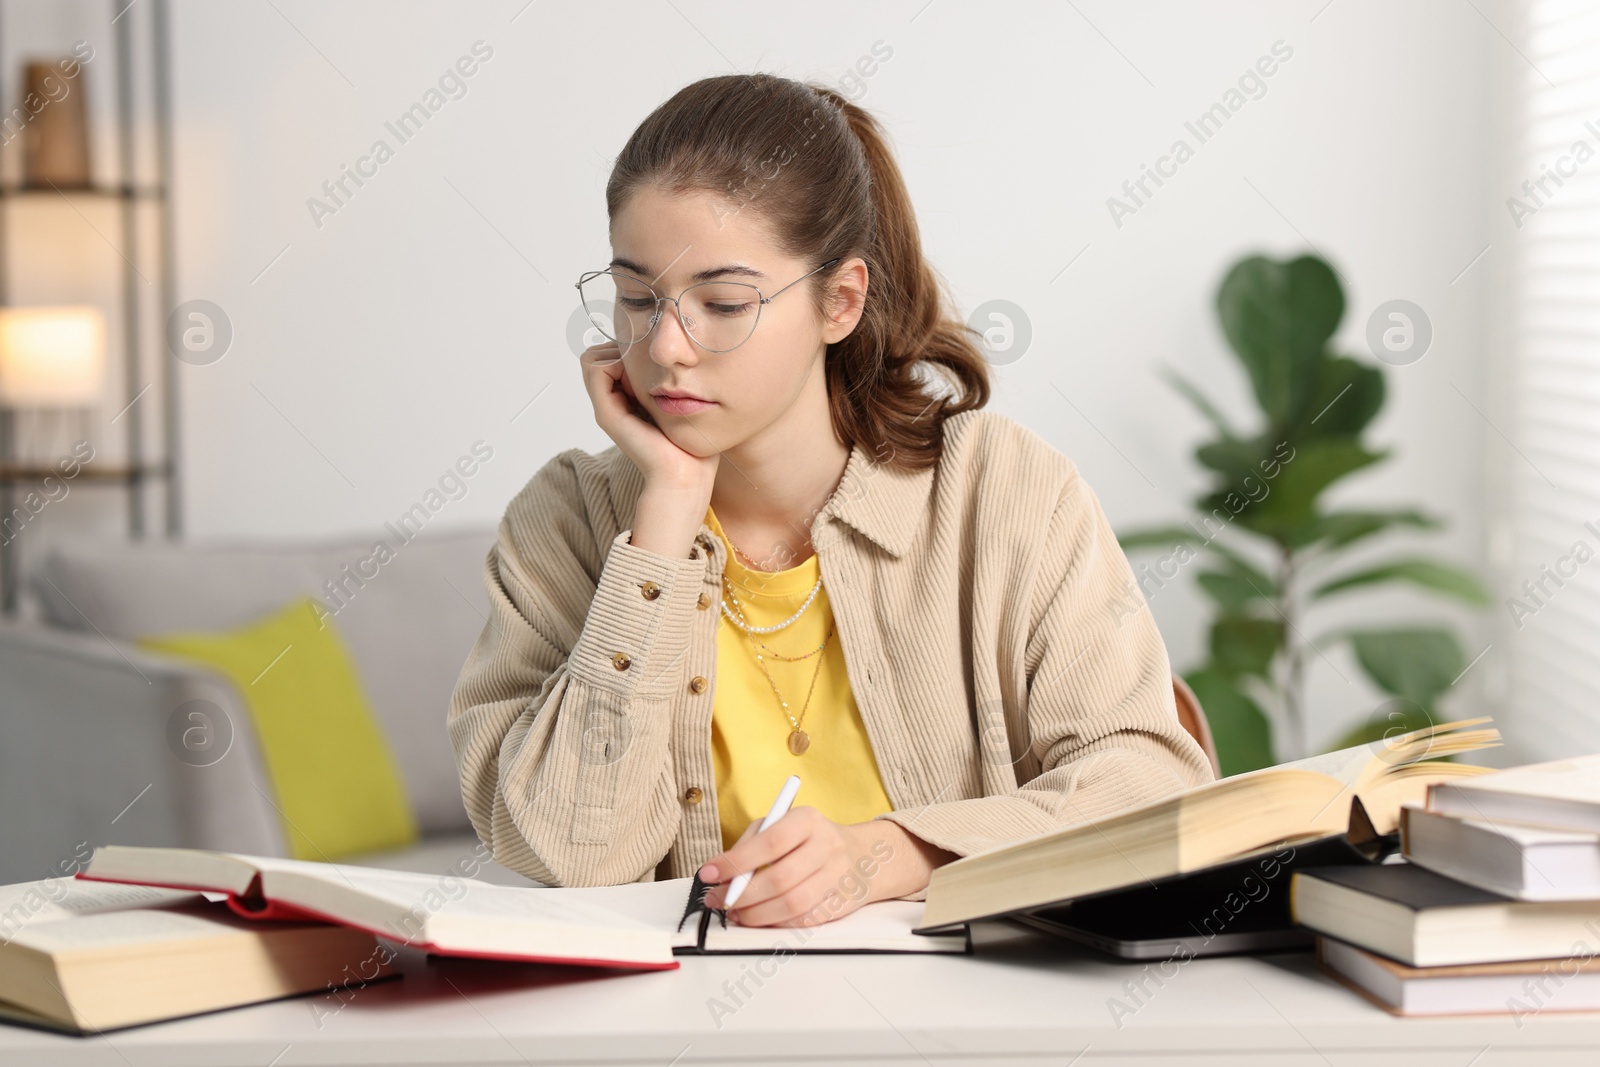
(91, 725)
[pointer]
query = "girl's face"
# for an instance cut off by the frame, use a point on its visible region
(667, 240)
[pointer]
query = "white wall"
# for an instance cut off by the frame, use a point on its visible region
(429, 310)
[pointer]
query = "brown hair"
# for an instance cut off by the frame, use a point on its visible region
(818, 170)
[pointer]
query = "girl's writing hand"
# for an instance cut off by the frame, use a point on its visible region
(809, 869)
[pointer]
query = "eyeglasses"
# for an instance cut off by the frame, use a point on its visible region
(717, 316)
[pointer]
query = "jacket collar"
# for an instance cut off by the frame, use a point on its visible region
(884, 503)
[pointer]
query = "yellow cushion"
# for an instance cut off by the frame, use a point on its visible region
(337, 788)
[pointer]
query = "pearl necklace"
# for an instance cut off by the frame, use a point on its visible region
(747, 628)
(738, 620)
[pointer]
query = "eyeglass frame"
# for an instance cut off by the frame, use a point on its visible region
(762, 301)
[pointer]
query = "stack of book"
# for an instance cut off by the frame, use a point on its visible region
(1494, 907)
(1206, 872)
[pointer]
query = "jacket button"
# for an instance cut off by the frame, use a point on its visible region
(697, 684)
(621, 661)
(703, 603)
(650, 590)
(693, 794)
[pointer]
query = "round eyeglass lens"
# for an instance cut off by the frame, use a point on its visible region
(718, 316)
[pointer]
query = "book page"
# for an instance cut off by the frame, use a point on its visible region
(1356, 765)
(405, 904)
(165, 923)
(199, 868)
(1346, 764)
(883, 926)
(55, 899)
(562, 907)
(656, 904)
(379, 881)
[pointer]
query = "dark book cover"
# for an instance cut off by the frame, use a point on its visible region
(1406, 884)
(1239, 906)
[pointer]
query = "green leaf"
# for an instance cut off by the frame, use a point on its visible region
(1199, 400)
(1417, 664)
(1238, 583)
(1342, 528)
(1233, 591)
(1234, 458)
(1158, 537)
(1439, 577)
(1278, 317)
(1242, 645)
(1241, 732)
(1291, 500)
(1170, 536)
(1347, 396)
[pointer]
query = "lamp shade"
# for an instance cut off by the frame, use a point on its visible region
(51, 356)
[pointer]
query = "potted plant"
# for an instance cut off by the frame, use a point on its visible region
(1267, 484)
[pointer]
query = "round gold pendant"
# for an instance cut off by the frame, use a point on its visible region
(798, 741)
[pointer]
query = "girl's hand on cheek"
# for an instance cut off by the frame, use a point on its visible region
(635, 405)
(625, 419)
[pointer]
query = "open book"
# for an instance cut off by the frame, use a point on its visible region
(1354, 793)
(81, 957)
(635, 925)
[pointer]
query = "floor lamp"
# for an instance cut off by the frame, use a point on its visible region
(51, 359)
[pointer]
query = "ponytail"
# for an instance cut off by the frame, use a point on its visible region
(831, 188)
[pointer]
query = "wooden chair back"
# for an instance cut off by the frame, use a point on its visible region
(1193, 719)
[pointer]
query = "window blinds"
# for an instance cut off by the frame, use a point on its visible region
(1551, 614)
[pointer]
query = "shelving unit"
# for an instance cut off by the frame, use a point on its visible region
(136, 472)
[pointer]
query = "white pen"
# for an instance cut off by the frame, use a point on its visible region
(780, 807)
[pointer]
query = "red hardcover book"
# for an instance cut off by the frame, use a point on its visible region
(444, 914)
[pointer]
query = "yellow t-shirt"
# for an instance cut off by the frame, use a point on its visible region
(749, 730)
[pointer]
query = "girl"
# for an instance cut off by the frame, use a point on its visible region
(802, 555)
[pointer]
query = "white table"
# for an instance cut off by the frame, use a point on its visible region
(1022, 999)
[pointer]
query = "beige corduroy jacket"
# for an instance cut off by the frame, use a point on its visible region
(1007, 685)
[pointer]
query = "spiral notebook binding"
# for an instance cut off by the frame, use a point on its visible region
(696, 903)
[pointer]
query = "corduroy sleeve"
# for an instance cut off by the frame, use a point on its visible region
(1100, 712)
(560, 717)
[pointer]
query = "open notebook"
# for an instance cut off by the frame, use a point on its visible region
(639, 924)
(882, 926)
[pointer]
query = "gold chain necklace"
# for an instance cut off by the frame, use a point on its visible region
(799, 740)
(788, 659)
(755, 564)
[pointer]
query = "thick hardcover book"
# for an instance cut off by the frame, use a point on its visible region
(1517, 988)
(82, 957)
(1515, 859)
(1562, 794)
(1355, 793)
(1423, 919)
